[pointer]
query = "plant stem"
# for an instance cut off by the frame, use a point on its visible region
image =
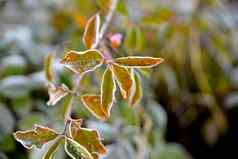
(107, 22)
(71, 102)
(76, 88)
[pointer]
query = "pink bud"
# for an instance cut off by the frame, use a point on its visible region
(116, 40)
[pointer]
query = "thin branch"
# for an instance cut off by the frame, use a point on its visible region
(77, 83)
(107, 22)
(67, 122)
(71, 102)
(74, 92)
(76, 88)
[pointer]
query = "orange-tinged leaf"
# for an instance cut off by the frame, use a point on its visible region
(91, 33)
(88, 138)
(36, 137)
(93, 104)
(53, 148)
(82, 62)
(75, 150)
(138, 61)
(56, 93)
(123, 79)
(137, 90)
(108, 89)
(48, 67)
(79, 20)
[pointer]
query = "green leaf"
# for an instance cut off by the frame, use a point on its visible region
(53, 148)
(2, 155)
(91, 34)
(6, 122)
(140, 40)
(29, 120)
(82, 62)
(75, 150)
(93, 104)
(122, 8)
(139, 61)
(22, 106)
(87, 138)
(56, 93)
(130, 41)
(123, 79)
(36, 137)
(62, 110)
(158, 115)
(48, 67)
(15, 86)
(123, 149)
(137, 90)
(108, 89)
(134, 39)
(128, 115)
(160, 16)
(8, 144)
(13, 64)
(171, 150)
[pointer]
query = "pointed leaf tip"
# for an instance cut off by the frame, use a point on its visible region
(108, 89)
(139, 61)
(136, 94)
(48, 67)
(53, 148)
(93, 104)
(91, 33)
(56, 93)
(123, 79)
(75, 150)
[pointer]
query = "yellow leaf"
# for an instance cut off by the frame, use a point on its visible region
(138, 61)
(137, 90)
(56, 93)
(123, 79)
(91, 33)
(36, 137)
(48, 67)
(82, 62)
(93, 104)
(87, 138)
(75, 150)
(108, 89)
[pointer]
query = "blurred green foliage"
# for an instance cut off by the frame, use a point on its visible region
(197, 39)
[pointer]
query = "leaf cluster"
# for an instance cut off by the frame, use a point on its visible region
(122, 72)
